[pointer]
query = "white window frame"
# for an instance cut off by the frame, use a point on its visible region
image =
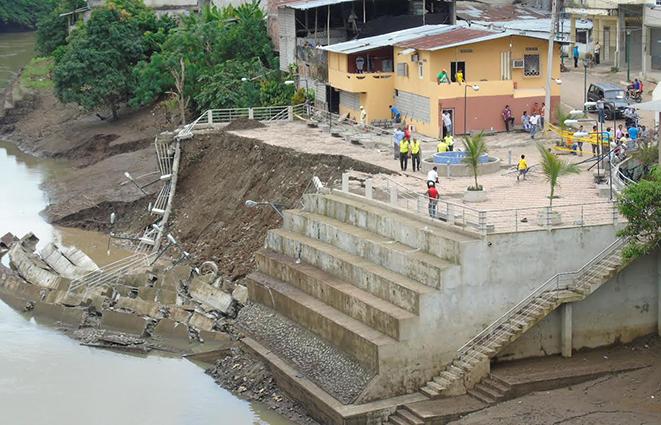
(539, 66)
(421, 70)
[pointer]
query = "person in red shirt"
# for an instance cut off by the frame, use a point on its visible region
(407, 132)
(432, 195)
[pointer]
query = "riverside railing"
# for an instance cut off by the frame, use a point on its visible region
(487, 221)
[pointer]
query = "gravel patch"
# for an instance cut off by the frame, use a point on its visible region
(331, 369)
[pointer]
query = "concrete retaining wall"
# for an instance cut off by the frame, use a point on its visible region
(624, 308)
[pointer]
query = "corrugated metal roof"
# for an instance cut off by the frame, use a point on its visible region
(497, 13)
(390, 39)
(311, 4)
(456, 36)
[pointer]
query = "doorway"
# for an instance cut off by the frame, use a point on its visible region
(333, 97)
(456, 67)
(443, 132)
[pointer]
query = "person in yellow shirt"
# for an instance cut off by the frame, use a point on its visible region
(415, 154)
(460, 76)
(522, 168)
(442, 146)
(449, 141)
(404, 151)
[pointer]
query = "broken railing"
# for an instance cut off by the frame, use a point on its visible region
(487, 221)
(111, 274)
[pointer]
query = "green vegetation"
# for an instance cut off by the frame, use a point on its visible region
(52, 29)
(553, 168)
(474, 147)
(641, 205)
(124, 54)
(36, 74)
(95, 69)
(24, 13)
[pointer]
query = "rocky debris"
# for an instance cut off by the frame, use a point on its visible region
(240, 294)
(322, 363)
(250, 379)
(243, 124)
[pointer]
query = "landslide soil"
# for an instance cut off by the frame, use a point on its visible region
(220, 172)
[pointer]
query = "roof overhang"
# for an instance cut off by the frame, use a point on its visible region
(587, 11)
(312, 4)
(654, 106)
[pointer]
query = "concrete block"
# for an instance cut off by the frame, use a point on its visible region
(123, 322)
(166, 296)
(201, 322)
(68, 299)
(206, 294)
(138, 306)
(170, 279)
(179, 314)
(209, 336)
(169, 328)
(240, 294)
(135, 280)
(69, 315)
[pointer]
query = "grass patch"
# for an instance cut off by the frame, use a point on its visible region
(37, 74)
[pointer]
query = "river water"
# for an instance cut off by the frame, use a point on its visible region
(46, 378)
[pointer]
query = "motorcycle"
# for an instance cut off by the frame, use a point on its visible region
(634, 96)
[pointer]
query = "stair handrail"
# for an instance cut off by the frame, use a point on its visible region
(554, 281)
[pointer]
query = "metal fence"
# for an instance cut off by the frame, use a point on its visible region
(487, 221)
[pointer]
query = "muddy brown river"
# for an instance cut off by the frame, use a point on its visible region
(46, 378)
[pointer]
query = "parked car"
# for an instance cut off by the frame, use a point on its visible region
(614, 96)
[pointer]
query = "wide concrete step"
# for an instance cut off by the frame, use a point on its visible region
(341, 295)
(349, 335)
(389, 286)
(393, 255)
(432, 238)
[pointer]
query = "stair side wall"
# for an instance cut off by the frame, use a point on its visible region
(622, 309)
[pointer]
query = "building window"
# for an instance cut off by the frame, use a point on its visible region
(531, 65)
(403, 69)
(421, 70)
(454, 68)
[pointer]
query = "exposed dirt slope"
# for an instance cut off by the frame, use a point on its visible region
(220, 172)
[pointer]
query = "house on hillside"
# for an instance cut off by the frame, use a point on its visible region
(164, 6)
(299, 27)
(400, 68)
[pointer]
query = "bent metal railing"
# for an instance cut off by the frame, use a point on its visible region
(566, 280)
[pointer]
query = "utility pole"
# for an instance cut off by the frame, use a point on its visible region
(549, 64)
(628, 48)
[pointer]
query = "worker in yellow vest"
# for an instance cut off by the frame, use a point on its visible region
(442, 146)
(449, 141)
(404, 151)
(415, 154)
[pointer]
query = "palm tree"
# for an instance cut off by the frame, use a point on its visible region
(474, 147)
(553, 168)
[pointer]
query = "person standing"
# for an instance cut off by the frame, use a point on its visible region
(522, 168)
(534, 122)
(449, 142)
(404, 150)
(460, 76)
(575, 54)
(442, 146)
(619, 133)
(432, 176)
(415, 154)
(597, 52)
(447, 123)
(432, 195)
(542, 111)
(442, 77)
(397, 139)
(579, 136)
(508, 118)
(525, 121)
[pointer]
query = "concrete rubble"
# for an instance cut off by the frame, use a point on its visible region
(154, 309)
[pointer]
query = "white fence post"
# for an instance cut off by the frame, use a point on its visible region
(615, 212)
(483, 222)
(393, 195)
(251, 113)
(210, 116)
(368, 189)
(290, 113)
(345, 182)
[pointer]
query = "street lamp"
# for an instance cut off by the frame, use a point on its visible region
(276, 207)
(586, 65)
(475, 87)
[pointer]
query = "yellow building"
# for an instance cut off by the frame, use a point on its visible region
(401, 68)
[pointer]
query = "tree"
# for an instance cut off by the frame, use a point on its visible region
(24, 13)
(553, 168)
(474, 148)
(641, 205)
(96, 68)
(53, 29)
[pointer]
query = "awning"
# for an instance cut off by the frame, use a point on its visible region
(654, 106)
(311, 4)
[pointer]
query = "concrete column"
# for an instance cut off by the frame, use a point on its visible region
(619, 30)
(368, 189)
(572, 32)
(566, 329)
(393, 195)
(646, 47)
(345, 182)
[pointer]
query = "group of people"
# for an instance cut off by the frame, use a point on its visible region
(444, 78)
(620, 141)
(596, 54)
(531, 123)
(404, 147)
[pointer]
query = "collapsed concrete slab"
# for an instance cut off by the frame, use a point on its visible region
(201, 321)
(168, 328)
(60, 313)
(123, 322)
(206, 294)
(138, 306)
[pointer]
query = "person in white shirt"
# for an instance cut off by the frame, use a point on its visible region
(534, 120)
(432, 176)
(447, 123)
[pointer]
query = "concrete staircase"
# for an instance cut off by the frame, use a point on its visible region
(472, 363)
(359, 277)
